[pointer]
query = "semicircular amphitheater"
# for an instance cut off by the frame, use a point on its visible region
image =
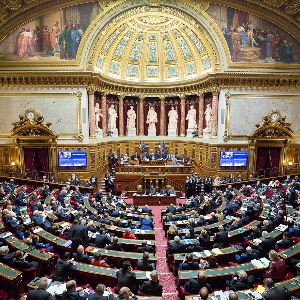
(149, 148)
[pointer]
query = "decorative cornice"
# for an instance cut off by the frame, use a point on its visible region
(212, 82)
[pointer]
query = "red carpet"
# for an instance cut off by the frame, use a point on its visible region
(167, 279)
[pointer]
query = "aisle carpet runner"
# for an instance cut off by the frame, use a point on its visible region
(167, 279)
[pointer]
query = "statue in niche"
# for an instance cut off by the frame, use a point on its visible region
(173, 119)
(131, 117)
(208, 118)
(191, 118)
(112, 117)
(152, 118)
(98, 114)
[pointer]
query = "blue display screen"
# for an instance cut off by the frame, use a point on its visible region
(72, 159)
(233, 158)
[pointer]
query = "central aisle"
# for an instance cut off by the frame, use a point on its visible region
(167, 279)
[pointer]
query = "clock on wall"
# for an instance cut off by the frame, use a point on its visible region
(274, 116)
(30, 114)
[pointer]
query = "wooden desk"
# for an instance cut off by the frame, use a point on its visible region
(11, 281)
(45, 259)
(291, 285)
(217, 276)
(34, 284)
(153, 200)
(227, 255)
(117, 257)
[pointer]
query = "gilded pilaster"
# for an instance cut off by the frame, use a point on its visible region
(121, 115)
(182, 116)
(162, 116)
(104, 113)
(141, 115)
(215, 105)
(92, 125)
(201, 114)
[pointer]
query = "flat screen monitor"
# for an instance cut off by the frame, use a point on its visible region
(67, 159)
(233, 159)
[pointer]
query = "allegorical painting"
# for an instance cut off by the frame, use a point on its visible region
(55, 36)
(251, 39)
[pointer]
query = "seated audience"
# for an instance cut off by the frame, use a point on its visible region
(152, 287)
(240, 281)
(98, 261)
(126, 278)
(64, 268)
(144, 264)
(193, 285)
(40, 293)
(72, 292)
(176, 246)
(115, 245)
(145, 248)
(99, 293)
(273, 292)
(189, 263)
(266, 243)
(128, 234)
(80, 256)
(146, 223)
(277, 265)
(246, 256)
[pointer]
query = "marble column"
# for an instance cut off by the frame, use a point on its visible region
(215, 105)
(162, 116)
(92, 112)
(121, 115)
(201, 114)
(141, 115)
(182, 116)
(104, 114)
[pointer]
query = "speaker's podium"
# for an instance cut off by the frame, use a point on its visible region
(153, 200)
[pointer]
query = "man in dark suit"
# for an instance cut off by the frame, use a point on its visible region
(99, 293)
(163, 191)
(221, 238)
(145, 248)
(144, 264)
(286, 241)
(115, 245)
(267, 243)
(194, 285)
(80, 256)
(64, 268)
(102, 239)
(146, 210)
(176, 246)
(152, 287)
(135, 156)
(72, 293)
(40, 292)
(78, 234)
(171, 209)
(152, 191)
(275, 293)
(188, 263)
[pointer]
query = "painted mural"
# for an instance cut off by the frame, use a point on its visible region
(251, 39)
(55, 36)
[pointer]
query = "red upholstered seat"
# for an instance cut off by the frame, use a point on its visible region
(288, 276)
(3, 295)
(183, 292)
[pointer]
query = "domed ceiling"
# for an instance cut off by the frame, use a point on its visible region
(154, 47)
